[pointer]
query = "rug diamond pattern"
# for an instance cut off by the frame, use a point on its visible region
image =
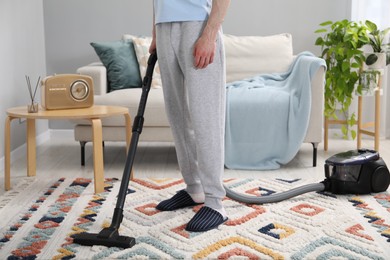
(310, 226)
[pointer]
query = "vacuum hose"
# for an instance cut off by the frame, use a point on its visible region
(274, 197)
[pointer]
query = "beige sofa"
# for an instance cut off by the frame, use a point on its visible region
(246, 56)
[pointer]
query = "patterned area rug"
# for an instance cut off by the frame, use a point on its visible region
(38, 217)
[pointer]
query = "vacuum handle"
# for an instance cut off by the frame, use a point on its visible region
(151, 63)
(147, 81)
(146, 84)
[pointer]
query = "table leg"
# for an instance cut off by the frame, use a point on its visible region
(377, 114)
(359, 122)
(98, 163)
(7, 153)
(326, 128)
(31, 148)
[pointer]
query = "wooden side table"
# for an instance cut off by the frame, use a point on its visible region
(94, 114)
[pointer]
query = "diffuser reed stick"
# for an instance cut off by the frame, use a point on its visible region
(33, 107)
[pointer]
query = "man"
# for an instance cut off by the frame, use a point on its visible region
(188, 37)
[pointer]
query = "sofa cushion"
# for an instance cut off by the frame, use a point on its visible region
(155, 115)
(247, 56)
(141, 47)
(121, 63)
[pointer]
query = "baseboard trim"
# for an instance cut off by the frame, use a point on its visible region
(21, 151)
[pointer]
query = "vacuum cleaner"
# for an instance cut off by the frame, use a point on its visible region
(359, 172)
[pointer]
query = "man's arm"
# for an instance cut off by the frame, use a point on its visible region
(204, 49)
(152, 47)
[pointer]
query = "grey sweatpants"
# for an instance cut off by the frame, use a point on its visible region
(195, 105)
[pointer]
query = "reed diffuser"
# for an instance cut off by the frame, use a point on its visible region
(33, 107)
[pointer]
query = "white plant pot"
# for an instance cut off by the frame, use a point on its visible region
(380, 63)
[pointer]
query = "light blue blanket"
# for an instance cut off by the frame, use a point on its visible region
(267, 116)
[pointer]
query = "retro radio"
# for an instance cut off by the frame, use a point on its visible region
(66, 91)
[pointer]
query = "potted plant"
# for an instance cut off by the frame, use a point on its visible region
(381, 51)
(341, 45)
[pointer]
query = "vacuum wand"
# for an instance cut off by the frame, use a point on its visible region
(110, 236)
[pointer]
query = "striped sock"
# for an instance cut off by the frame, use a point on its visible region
(205, 219)
(180, 200)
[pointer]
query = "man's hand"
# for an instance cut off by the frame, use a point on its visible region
(153, 46)
(204, 52)
(204, 49)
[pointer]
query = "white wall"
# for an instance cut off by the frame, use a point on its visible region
(298, 17)
(22, 52)
(72, 24)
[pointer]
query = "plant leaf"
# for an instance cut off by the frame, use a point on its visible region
(319, 41)
(326, 23)
(321, 31)
(353, 134)
(344, 130)
(355, 65)
(345, 66)
(371, 26)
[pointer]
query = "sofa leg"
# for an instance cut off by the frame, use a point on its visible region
(82, 146)
(315, 146)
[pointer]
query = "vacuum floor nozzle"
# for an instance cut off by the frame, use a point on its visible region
(114, 240)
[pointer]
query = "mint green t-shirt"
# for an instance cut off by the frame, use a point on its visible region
(181, 10)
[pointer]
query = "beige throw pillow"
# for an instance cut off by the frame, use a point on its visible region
(141, 47)
(248, 56)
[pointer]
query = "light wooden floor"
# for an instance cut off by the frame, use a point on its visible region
(60, 157)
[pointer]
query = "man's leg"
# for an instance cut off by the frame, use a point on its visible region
(176, 104)
(206, 100)
(206, 97)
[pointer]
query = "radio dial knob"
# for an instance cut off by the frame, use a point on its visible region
(79, 90)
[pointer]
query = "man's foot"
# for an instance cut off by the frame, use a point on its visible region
(205, 219)
(180, 200)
